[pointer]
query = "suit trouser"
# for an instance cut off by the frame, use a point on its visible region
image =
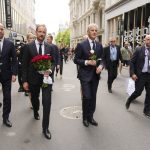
(112, 73)
(20, 76)
(143, 81)
(89, 90)
(46, 101)
(6, 88)
(60, 69)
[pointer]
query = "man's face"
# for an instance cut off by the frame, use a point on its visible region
(126, 45)
(49, 40)
(92, 33)
(147, 41)
(41, 33)
(113, 42)
(1, 31)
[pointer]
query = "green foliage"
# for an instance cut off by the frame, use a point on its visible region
(63, 37)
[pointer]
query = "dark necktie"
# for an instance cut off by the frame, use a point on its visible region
(0, 47)
(40, 49)
(148, 59)
(94, 45)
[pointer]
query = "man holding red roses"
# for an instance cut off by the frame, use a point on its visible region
(33, 78)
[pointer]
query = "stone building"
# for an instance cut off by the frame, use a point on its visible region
(82, 13)
(127, 20)
(21, 16)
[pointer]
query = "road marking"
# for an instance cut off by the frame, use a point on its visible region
(11, 134)
(68, 87)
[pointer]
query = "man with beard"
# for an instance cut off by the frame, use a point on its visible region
(32, 80)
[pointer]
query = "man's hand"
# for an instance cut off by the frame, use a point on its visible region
(91, 62)
(47, 73)
(58, 67)
(13, 79)
(26, 86)
(99, 69)
(134, 77)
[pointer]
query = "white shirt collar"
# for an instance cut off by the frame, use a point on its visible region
(37, 42)
(2, 40)
(91, 41)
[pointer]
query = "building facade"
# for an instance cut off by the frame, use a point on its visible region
(82, 13)
(22, 18)
(127, 20)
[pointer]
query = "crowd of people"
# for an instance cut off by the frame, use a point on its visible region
(89, 56)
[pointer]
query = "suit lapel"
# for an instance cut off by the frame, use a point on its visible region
(45, 48)
(33, 48)
(4, 46)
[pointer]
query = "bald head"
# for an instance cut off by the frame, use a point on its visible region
(1, 31)
(147, 40)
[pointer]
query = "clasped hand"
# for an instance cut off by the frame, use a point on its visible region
(91, 62)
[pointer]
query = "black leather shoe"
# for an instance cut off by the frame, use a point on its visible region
(85, 123)
(110, 90)
(93, 122)
(7, 123)
(47, 134)
(36, 116)
(0, 105)
(128, 104)
(147, 114)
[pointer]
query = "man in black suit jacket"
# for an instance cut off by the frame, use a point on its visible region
(111, 57)
(140, 73)
(8, 72)
(89, 72)
(56, 53)
(32, 80)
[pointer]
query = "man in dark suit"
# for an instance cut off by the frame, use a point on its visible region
(32, 80)
(56, 53)
(140, 73)
(8, 72)
(111, 57)
(89, 72)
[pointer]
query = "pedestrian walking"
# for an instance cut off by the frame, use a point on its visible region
(8, 72)
(56, 53)
(86, 55)
(140, 73)
(111, 58)
(33, 80)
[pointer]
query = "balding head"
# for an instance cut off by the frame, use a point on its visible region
(1, 31)
(112, 41)
(147, 40)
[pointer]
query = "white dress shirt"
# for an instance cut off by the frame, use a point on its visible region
(37, 43)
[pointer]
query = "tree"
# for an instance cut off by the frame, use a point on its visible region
(63, 37)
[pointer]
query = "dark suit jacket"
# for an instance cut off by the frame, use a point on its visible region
(9, 60)
(137, 61)
(56, 53)
(29, 73)
(106, 56)
(85, 73)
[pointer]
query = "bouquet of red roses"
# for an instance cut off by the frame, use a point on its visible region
(43, 63)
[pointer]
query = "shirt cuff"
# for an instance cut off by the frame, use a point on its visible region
(86, 62)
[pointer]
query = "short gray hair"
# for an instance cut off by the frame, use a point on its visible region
(92, 25)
